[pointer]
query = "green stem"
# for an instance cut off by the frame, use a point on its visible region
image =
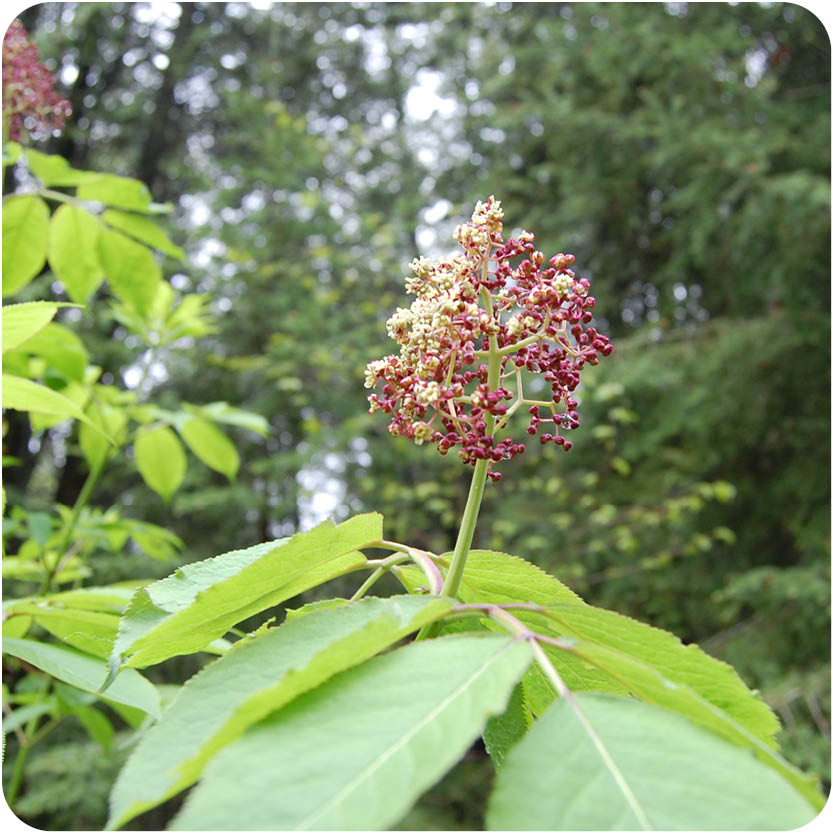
(465, 536)
(80, 503)
(17, 776)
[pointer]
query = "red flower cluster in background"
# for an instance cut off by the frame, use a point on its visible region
(29, 100)
(533, 319)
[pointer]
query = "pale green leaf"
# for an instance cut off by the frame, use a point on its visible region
(119, 191)
(22, 321)
(52, 169)
(258, 675)
(605, 763)
(108, 419)
(86, 672)
(130, 268)
(356, 752)
(201, 601)
(61, 349)
(25, 229)
(211, 446)
(91, 631)
(24, 395)
(160, 459)
(223, 412)
(142, 229)
(714, 680)
(646, 683)
(73, 251)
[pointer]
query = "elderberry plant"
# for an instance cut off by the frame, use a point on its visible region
(342, 715)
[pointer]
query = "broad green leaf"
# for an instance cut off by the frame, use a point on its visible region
(160, 459)
(24, 395)
(142, 229)
(211, 446)
(201, 601)
(606, 763)
(646, 683)
(119, 191)
(16, 626)
(130, 268)
(73, 251)
(91, 631)
(25, 569)
(503, 731)
(501, 578)
(25, 228)
(356, 752)
(714, 680)
(223, 412)
(258, 675)
(86, 672)
(61, 349)
(72, 391)
(52, 169)
(97, 725)
(108, 419)
(22, 321)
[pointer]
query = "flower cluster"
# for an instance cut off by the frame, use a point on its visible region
(477, 326)
(29, 102)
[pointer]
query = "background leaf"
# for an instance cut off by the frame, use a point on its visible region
(25, 228)
(211, 446)
(86, 672)
(160, 459)
(22, 321)
(130, 268)
(73, 251)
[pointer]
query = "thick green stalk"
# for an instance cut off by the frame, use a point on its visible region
(476, 489)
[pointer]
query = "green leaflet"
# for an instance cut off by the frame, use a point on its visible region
(24, 395)
(73, 251)
(201, 601)
(61, 349)
(142, 229)
(649, 684)
(22, 321)
(119, 191)
(130, 268)
(354, 753)
(25, 226)
(503, 731)
(258, 675)
(211, 445)
(91, 631)
(646, 768)
(160, 459)
(714, 680)
(86, 672)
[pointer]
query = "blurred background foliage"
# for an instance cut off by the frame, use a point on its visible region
(680, 151)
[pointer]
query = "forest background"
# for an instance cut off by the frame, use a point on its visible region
(310, 151)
